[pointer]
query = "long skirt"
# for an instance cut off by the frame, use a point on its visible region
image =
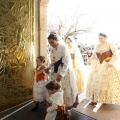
(103, 84)
(39, 91)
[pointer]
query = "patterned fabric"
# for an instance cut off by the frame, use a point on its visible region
(104, 82)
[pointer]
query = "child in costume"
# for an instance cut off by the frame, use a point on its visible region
(57, 109)
(39, 89)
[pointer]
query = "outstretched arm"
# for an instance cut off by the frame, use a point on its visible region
(42, 69)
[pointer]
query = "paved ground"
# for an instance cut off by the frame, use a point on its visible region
(23, 112)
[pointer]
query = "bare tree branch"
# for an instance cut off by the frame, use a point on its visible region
(69, 27)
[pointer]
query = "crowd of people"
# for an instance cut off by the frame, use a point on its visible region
(59, 84)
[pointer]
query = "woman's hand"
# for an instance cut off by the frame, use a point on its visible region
(58, 78)
(47, 70)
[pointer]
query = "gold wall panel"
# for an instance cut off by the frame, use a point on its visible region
(16, 50)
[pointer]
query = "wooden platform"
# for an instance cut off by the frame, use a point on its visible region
(105, 112)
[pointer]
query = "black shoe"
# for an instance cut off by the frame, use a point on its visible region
(69, 107)
(35, 108)
(76, 102)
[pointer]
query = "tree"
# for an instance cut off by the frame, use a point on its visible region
(68, 26)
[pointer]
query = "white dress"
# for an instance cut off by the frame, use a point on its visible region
(104, 82)
(56, 99)
(39, 89)
(68, 81)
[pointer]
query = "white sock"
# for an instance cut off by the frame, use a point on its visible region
(87, 103)
(97, 107)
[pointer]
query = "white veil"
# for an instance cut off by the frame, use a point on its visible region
(79, 63)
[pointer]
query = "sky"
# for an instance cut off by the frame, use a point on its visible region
(104, 16)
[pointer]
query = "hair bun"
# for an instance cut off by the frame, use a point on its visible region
(103, 35)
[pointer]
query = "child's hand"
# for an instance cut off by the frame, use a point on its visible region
(58, 78)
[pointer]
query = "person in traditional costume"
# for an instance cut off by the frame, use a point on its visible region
(104, 79)
(39, 89)
(77, 62)
(61, 69)
(56, 111)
